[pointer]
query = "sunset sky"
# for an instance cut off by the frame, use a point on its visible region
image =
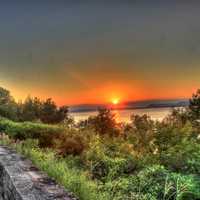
(96, 52)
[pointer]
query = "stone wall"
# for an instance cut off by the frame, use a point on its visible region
(20, 180)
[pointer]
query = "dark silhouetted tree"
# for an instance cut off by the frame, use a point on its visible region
(178, 117)
(194, 105)
(104, 123)
(30, 110)
(51, 114)
(8, 106)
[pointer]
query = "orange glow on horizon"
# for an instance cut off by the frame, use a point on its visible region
(110, 93)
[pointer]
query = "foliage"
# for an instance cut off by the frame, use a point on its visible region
(70, 143)
(74, 180)
(167, 135)
(154, 182)
(32, 109)
(28, 130)
(141, 133)
(195, 105)
(50, 114)
(183, 157)
(178, 117)
(8, 107)
(104, 123)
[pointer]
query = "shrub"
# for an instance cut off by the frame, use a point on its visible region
(72, 179)
(28, 130)
(183, 157)
(168, 135)
(141, 133)
(107, 160)
(70, 143)
(104, 123)
(155, 183)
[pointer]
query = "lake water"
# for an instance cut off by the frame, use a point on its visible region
(124, 115)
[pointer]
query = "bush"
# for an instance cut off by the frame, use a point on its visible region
(28, 130)
(107, 160)
(104, 123)
(72, 178)
(183, 157)
(70, 143)
(154, 183)
(168, 135)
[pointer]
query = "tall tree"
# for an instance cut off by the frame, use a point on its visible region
(142, 132)
(194, 105)
(52, 114)
(8, 106)
(30, 109)
(104, 123)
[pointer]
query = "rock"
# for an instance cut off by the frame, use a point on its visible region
(20, 180)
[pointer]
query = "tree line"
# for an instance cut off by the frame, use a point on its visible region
(46, 111)
(32, 109)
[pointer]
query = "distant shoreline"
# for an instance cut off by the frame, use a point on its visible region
(82, 110)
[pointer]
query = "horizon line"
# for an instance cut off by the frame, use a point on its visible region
(131, 101)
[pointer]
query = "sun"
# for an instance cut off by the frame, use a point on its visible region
(115, 101)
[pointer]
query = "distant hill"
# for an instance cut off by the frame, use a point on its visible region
(132, 105)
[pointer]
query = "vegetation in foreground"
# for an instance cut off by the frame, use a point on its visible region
(101, 159)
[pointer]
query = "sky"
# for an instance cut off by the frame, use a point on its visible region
(95, 51)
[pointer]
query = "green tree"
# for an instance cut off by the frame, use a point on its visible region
(48, 111)
(5, 97)
(168, 135)
(194, 105)
(141, 132)
(178, 117)
(30, 110)
(51, 114)
(104, 123)
(62, 114)
(8, 106)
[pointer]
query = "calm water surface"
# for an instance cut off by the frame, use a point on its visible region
(124, 115)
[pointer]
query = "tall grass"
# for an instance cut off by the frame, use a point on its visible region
(110, 168)
(74, 180)
(28, 130)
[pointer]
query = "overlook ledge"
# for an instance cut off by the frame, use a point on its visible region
(20, 180)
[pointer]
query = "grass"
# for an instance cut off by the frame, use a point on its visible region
(28, 130)
(111, 168)
(72, 179)
(147, 184)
